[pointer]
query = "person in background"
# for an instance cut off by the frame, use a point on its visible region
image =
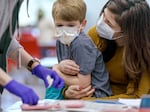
(122, 35)
(73, 44)
(46, 32)
(10, 47)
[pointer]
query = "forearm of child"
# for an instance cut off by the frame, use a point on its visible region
(79, 79)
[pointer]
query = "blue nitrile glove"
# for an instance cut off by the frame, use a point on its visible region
(28, 96)
(43, 73)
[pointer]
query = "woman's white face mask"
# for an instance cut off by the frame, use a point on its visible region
(67, 34)
(104, 30)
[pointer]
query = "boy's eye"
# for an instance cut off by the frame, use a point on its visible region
(71, 25)
(59, 25)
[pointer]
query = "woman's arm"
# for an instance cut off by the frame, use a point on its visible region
(38, 70)
(75, 92)
(27, 95)
(4, 78)
(143, 88)
(25, 57)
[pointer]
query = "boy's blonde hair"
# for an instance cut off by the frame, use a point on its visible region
(69, 10)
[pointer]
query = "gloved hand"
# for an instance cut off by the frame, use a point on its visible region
(44, 73)
(27, 95)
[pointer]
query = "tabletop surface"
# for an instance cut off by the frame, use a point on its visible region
(89, 106)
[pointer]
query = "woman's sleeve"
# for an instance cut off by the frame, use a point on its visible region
(13, 46)
(144, 84)
(143, 88)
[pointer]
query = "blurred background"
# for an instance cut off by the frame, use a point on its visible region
(37, 37)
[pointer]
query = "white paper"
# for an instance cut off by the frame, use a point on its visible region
(130, 102)
(89, 107)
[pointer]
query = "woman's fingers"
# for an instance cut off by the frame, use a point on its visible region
(90, 93)
(75, 92)
(81, 95)
(86, 92)
(72, 91)
(69, 67)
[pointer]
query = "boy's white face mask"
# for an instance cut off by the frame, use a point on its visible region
(104, 30)
(67, 34)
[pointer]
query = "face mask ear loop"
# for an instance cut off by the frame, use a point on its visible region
(10, 22)
(118, 36)
(80, 28)
(18, 38)
(28, 8)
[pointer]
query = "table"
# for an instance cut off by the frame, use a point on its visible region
(89, 106)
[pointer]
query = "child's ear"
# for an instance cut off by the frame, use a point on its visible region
(83, 24)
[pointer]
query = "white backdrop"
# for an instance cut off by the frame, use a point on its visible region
(93, 9)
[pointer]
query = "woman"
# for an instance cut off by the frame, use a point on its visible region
(122, 34)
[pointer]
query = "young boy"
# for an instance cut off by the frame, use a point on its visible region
(73, 44)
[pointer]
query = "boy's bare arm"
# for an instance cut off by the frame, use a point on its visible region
(69, 67)
(79, 79)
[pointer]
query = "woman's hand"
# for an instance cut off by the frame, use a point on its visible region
(75, 92)
(69, 67)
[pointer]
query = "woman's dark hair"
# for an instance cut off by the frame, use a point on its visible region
(110, 50)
